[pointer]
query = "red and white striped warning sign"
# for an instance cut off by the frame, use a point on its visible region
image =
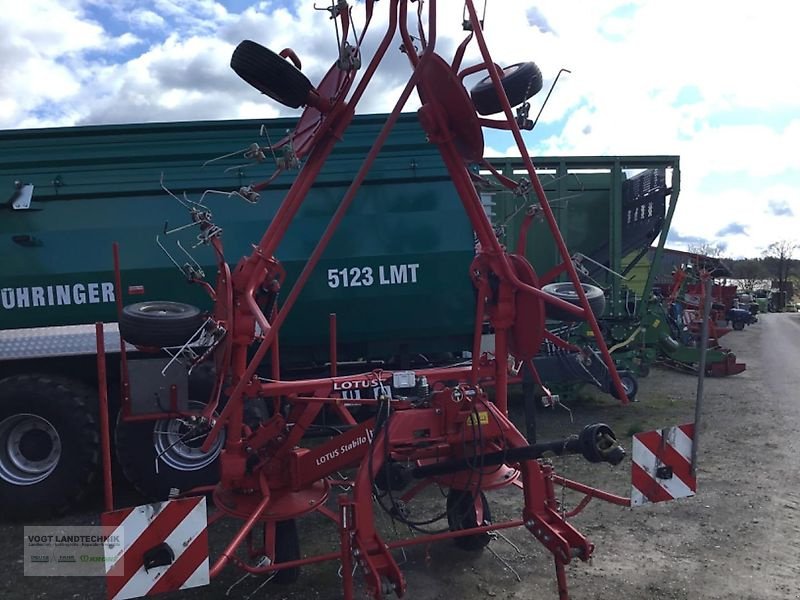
(662, 465)
(164, 547)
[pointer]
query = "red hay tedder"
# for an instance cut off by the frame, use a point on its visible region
(437, 426)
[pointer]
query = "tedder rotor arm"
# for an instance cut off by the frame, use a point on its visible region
(544, 204)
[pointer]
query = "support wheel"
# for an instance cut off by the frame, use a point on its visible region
(49, 445)
(287, 547)
(520, 82)
(567, 292)
(629, 383)
(159, 324)
(270, 74)
(462, 514)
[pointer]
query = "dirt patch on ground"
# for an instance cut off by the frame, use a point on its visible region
(736, 539)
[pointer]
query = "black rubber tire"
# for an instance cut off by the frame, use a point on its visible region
(70, 409)
(137, 450)
(287, 547)
(159, 323)
(566, 291)
(629, 382)
(461, 515)
(520, 82)
(738, 325)
(270, 74)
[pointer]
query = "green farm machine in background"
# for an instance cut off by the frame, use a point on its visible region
(614, 214)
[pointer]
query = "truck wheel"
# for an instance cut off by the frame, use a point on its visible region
(270, 74)
(159, 324)
(461, 514)
(566, 291)
(520, 82)
(175, 444)
(49, 444)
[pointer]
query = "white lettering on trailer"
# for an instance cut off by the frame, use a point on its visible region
(22, 298)
(349, 277)
(58, 295)
(62, 294)
(38, 296)
(108, 291)
(399, 274)
(79, 293)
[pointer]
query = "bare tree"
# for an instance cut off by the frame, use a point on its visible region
(749, 270)
(778, 257)
(709, 249)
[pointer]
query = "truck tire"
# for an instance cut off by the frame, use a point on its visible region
(566, 291)
(270, 74)
(461, 515)
(49, 445)
(181, 463)
(159, 323)
(520, 82)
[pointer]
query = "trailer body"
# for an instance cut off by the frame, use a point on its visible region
(73, 192)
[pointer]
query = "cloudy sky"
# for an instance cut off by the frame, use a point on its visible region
(715, 85)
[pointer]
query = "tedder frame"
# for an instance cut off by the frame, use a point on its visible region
(436, 425)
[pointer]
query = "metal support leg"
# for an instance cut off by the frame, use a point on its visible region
(561, 579)
(346, 527)
(529, 402)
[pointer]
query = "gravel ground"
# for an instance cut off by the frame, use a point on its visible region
(736, 539)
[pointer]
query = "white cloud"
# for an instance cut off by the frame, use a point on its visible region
(648, 77)
(147, 19)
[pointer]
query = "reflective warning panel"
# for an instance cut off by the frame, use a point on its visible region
(662, 465)
(164, 548)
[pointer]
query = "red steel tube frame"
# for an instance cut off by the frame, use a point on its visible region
(105, 433)
(239, 309)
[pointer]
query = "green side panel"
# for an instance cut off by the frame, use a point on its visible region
(404, 247)
(585, 194)
(637, 276)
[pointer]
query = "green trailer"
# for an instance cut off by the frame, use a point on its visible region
(72, 192)
(92, 186)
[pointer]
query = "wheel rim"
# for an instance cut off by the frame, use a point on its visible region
(504, 73)
(181, 450)
(569, 293)
(160, 309)
(566, 291)
(30, 449)
(627, 384)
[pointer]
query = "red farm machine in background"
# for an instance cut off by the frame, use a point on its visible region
(683, 304)
(438, 426)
